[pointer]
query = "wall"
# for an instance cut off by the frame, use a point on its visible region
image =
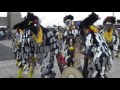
(11, 19)
(3, 21)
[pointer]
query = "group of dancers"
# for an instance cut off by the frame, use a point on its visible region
(33, 44)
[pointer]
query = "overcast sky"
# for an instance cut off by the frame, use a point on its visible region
(51, 18)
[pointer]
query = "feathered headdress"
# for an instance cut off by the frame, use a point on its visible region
(22, 25)
(68, 17)
(90, 20)
(109, 19)
(16, 26)
(28, 22)
(31, 18)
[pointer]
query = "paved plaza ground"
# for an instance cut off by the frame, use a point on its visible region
(8, 68)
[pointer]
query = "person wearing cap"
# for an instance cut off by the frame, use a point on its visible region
(96, 53)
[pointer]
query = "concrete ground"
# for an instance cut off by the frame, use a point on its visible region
(8, 68)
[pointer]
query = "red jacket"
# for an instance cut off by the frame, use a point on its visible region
(61, 59)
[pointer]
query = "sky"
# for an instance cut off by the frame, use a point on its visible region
(56, 18)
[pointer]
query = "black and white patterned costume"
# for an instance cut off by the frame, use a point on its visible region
(43, 53)
(96, 50)
(69, 38)
(52, 47)
(99, 53)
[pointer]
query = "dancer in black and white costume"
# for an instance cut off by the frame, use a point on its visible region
(36, 45)
(96, 50)
(69, 39)
(110, 34)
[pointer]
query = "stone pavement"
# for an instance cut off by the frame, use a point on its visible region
(8, 68)
(5, 53)
(115, 71)
(7, 43)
